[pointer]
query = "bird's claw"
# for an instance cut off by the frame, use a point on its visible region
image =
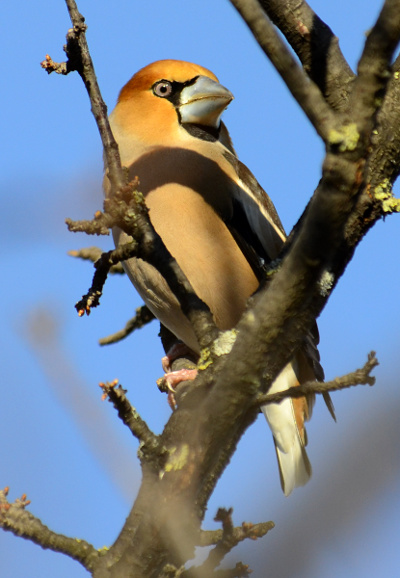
(171, 380)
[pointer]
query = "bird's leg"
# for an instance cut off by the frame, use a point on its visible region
(173, 378)
(178, 349)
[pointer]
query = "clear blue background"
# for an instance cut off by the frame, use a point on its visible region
(60, 443)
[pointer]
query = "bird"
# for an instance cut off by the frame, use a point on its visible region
(214, 218)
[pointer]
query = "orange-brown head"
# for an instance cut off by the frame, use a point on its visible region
(167, 95)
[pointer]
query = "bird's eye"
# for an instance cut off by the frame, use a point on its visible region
(163, 88)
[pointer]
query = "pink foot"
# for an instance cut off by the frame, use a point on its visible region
(173, 379)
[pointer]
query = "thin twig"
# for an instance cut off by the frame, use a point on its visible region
(240, 571)
(131, 418)
(16, 519)
(138, 225)
(78, 49)
(143, 317)
(93, 254)
(103, 266)
(252, 531)
(127, 210)
(358, 377)
(58, 67)
(229, 537)
(90, 227)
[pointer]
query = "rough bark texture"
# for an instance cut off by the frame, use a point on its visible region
(357, 115)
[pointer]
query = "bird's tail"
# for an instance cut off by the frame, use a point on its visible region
(286, 421)
(294, 467)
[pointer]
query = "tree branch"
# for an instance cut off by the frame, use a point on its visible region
(373, 69)
(306, 92)
(103, 266)
(358, 377)
(212, 537)
(93, 254)
(127, 210)
(77, 51)
(131, 418)
(152, 248)
(143, 317)
(200, 437)
(16, 519)
(316, 46)
(230, 538)
(279, 318)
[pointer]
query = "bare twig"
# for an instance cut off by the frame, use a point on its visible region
(77, 49)
(225, 540)
(358, 377)
(150, 443)
(16, 519)
(252, 531)
(50, 66)
(95, 226)
(103, 266)
(143, 317)
(130, 417)
(138, 225)
(240, 571)
(127, 210)
(93, 254)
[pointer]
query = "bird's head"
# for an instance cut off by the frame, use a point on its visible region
(169, 95)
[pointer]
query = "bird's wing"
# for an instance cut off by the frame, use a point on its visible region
(258, 231)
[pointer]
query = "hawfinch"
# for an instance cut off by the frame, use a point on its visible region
(213, 217)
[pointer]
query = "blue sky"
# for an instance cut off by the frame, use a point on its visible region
(61, 444)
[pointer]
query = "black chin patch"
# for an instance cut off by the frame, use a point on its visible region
(203, 132)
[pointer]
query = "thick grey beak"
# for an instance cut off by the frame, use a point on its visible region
(204, 102)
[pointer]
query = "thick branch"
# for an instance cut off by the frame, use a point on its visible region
(316, 46)
(306, 93)
(374, 66)
(275, 326)
(202, 434)
(383, 167)
(16, 519)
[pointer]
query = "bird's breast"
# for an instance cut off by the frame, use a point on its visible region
(204, 248)
(189, 196)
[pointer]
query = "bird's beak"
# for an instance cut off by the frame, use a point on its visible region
(203, 102)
